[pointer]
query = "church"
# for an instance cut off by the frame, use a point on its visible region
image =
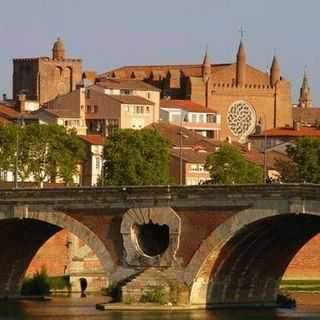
(243, 95)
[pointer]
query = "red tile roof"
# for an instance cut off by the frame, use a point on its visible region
(190, 155)
(192, 70)
(63, 113)
(128, 99)
(126, 84)
(188, 138)
(290, 132)
(186, 105)
(8, 112)
(93, 139)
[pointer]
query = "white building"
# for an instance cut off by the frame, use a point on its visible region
(191, 115)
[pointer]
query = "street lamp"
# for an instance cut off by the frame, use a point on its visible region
(265, 175)
(20, 121)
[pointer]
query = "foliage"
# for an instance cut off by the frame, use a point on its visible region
(304, 164)
(136, 157)
(59, 283)
(39, 284)
(228, 166)
(155, 294)
(45, 152)
(112, 290)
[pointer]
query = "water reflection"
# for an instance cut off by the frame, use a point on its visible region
(84, 309)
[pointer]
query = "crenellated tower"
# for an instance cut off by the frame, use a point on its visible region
(305, 100)
(275, 72)
(241, 65)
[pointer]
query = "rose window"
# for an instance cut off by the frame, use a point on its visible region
(241, 118)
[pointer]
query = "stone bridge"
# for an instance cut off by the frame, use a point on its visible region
(229, 245)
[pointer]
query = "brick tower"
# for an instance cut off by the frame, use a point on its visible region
(42, 79)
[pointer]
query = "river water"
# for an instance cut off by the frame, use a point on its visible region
(84, 309)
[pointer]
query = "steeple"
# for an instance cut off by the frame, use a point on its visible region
(275, 72)
(206, 67)
(305, 100)
(241, 65)
(58, 50)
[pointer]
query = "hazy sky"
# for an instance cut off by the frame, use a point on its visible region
(108, 33)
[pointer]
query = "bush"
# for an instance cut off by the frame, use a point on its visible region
(59, 283)
(39, 284)
(155, 295)
(112, 290)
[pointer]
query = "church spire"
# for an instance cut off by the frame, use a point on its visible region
(275, 72)
(241, 65)
(206, 67)
(305, 100)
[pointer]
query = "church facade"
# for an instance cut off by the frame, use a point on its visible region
(42, 79)
(243, 95)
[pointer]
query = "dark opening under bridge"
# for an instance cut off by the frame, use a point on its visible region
(230, 245)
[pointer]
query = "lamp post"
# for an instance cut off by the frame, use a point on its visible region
(265, 149)
(19, 122)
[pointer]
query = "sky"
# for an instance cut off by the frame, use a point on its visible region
(112, 33)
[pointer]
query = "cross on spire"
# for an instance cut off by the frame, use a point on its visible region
(242, 32)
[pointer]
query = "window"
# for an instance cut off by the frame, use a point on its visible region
(88, 94)
(127, 108)
(125, 92)
(193, 118)
(149, 95)
(88, 108)
(211, 118)
(201, 118)
(112, 125)
(98, 163)
(147, 109)
(95, 109)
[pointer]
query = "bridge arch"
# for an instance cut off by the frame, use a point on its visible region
(24, 231)
(244, 259)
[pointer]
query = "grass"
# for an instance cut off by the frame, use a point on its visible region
(300, 285)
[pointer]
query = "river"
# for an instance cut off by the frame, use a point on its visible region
(84, 309)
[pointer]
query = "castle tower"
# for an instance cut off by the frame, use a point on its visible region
(305, 100)
(43, 79)
(58, 50)
(206, 67)
(275, 72)
(241, 65)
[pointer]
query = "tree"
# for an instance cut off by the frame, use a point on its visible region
(45, 152)
(50, 152)
(304, 164)
(136, 157)
(228, 166)
(8, 147)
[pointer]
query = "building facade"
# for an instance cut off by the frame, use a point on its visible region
(242, 94)
(43, 79)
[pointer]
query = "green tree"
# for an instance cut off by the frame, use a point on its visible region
(304, 164)
(228, 166)
(136, 157)
(8, 147)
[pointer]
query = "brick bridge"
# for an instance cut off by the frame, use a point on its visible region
(228, 245)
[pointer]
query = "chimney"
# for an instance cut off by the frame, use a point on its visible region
(22, 102)
(4, 97)
(228, 139)
(296, 125)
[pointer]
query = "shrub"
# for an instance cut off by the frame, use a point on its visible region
(155, 295)
(59, 283)
(112, 290)
(39, 284)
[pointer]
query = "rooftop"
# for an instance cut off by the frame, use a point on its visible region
(291, 132)
(187, 105)
(93, 139)
(62, 113)
(306, 115)
(129, 99)
(126, 84)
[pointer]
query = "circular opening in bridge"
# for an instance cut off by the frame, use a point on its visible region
(152, 239)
